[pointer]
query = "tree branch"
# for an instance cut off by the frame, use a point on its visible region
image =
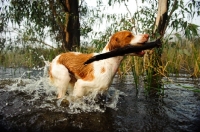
(51, 3)
(42, 42)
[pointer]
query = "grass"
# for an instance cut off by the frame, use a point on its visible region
(27, 57)
(177, 57)
(181, 57)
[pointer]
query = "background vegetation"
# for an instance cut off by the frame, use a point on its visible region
(25, 25)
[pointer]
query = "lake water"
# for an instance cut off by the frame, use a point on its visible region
(28, 103)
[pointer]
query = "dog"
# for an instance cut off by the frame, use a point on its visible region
(67, 70)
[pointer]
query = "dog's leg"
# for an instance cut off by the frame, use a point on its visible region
(62, 89)
(78, 89)
(60, 79)
(61, 84)
(81, 88)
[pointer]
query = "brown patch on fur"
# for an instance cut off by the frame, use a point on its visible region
(120, 39)
(74, 62)
(73, 80)
(103, 70)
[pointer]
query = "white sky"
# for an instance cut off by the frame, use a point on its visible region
(132, 6)
(115, 9)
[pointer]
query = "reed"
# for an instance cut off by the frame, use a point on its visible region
(136, 71)
(182, 58)
(177, 57)
(27, 57)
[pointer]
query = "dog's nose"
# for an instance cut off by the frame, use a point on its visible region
(146, 36)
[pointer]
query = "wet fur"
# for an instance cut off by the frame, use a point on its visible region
(68, 69)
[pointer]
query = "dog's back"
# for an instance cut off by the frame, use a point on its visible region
(69, 69)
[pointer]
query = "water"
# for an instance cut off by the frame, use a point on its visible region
(28, 103)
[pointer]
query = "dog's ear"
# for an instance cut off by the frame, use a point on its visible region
(114, 43)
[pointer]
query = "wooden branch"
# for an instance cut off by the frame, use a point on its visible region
(125, 50)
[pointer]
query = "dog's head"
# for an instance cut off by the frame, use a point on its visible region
(124, 38)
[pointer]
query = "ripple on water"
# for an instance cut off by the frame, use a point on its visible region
(28, 103)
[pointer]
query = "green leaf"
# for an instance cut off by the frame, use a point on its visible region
(178, 36)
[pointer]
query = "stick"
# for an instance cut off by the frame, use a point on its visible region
(125, 50)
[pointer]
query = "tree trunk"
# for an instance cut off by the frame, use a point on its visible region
(161, 19)
(153, 61)
(71, 33)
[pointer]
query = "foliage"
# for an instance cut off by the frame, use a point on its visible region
(173, 20)
(178, 56)
(27, 57)
(177, 20)
(39, 19)
(31, 20)
(46, 18)
(182, 56)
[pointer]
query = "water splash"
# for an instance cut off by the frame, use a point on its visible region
(33, 85)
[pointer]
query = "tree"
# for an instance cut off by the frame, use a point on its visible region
(71, 30)
(154, 60)
(166, 18)
(57, 18)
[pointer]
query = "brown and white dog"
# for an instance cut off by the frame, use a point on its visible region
(68, 69)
